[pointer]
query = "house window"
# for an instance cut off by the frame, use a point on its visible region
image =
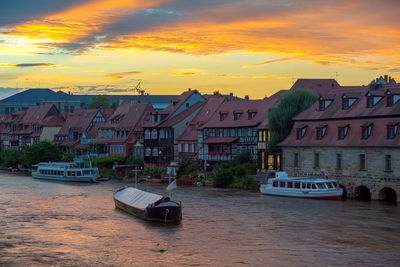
(155, 152)
(388, 163)
(236, 115)
(347, 102)
(179, 147)
(296, 160)
(154, 134)
(372, 100)
(148, 152)
(222, 116)
(316, 160)
(339, 161)
(251, 114)
(392, 130)
(300, 132)
(366, 131)
(147, 134)
(362, 162)
(324, 103)
(321, 132)
(342, 132)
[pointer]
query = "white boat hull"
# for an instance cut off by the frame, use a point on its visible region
(86, 179)
(303, 193)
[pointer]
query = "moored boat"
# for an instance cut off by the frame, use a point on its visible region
(65, 171)
(148, 206)
(302, 187)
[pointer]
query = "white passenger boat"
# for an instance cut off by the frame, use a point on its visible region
(302, 187)
(65, 171)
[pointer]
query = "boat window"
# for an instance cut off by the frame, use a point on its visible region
(62, 173)
(72, 173)
(275, 184)
(329, 185)
(281, 184)
(69, 173)
(290, 184)
(308, 186)
(297, 185)
(321, 186)
(334, 184)
(303, 185)
(314, 186)
(78, 173)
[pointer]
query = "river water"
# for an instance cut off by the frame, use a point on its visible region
(44, 223)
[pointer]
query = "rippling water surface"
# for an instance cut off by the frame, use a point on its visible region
(44, 223)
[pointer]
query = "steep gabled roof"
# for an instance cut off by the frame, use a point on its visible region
(79, 121)
(181, 116)
(316, 85)
(206, 112)
(37, 114)
(259, 107)
(128, 114)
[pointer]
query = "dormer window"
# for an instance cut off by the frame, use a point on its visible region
(321, 130)
(348, 102)
(366, 130)
(300, 132)
(175, 102)
(391, 98)
(251, 114)
(342, 132)
(236, 115)
(324, 103)
(222, 115)
(392, 130)
(372, 100)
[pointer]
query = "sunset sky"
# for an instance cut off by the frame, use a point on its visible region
(248, 47)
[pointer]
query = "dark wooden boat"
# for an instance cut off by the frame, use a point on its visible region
(148, 206)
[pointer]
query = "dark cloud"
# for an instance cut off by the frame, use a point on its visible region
(25, 65)
(17, 11)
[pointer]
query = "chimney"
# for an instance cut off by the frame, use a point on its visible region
(69, 92)
(120, 101)
(189, 89)
(246, 97)
(386, 79)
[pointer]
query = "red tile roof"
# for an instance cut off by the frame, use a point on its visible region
(261, 107)
(206, 112)
(377, 138)
(181, 116)
(357, 116)
(316, 85)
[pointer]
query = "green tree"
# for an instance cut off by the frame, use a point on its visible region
(100, 101)
(114, 105)
(289, 106)
(42, 152)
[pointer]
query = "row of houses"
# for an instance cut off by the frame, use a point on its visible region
(350, 132)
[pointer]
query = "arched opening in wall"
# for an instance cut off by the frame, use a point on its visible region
(388, 194)
(362, 193)
(344, 194)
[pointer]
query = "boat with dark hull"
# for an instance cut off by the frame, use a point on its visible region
(148, 206)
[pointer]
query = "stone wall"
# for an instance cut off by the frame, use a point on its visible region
(374, 177)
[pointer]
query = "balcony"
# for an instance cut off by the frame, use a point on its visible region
(218, 156)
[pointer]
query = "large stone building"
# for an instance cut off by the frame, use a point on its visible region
(352, 134)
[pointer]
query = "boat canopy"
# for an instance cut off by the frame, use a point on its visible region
(136, 198)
